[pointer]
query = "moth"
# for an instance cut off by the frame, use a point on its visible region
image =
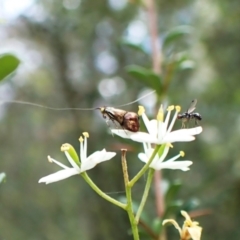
(126, 120)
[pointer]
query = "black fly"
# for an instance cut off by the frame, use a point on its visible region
(189, 114)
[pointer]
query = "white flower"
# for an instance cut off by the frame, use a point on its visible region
(158, 163)
(159, 131)
(78, 167)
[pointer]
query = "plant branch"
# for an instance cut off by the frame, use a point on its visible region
(129, 207)
(101, 193)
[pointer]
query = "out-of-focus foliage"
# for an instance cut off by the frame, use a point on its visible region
(2, 177)
(74, 54)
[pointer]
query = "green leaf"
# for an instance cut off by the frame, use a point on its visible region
(137, 47)
(157, 225)
(146, 76)
(173, 208)
(2, 177)
(173, 191)
(176, 33)
(8, 64)
(191, 204)
(182, 62)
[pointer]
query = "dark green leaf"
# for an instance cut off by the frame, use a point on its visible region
(173, 191)
(146, 76)
(157, 225)
(191, 204)
(133, 46)
(176, 33)
(8, 64)
(173, 208)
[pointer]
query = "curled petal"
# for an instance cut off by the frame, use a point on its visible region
(185, 214)
(174, 223)
(58, 176)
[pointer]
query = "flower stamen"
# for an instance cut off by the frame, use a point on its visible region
(141, 110)
(65, 147)
(86, 134)
(182, 153)
(160, 115)
(49, 159)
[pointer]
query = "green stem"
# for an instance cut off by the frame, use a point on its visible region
(101, 193)
(145, 194)
(145, 168)
(129, 208)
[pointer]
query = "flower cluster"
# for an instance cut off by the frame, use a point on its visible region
(159, 133)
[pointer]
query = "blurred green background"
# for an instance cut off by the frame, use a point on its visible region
(74, 54)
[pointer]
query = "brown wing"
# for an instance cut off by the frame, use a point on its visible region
(114, 114)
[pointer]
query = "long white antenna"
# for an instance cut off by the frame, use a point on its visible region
(65, 109)
(126, 104)
(46, 107)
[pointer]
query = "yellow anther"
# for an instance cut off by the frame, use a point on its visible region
(49, 159)
(85, 134)
(141, 110)
(178, 108)
(182, 154)
(170, 108)
(169, 145)
(160, 115)
(81, 139)
(65, 147)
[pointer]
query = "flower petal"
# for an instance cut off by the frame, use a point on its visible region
(153, 126)
(72, 162)
(95, 158)
(58, 176)
(104, 156)
(181, 165)
(146, 121)
(98, 156)
(174, 223)
(158, 159)
(122, 133)
(190, 131)
(143, 157)
(144, 137)
(195, 232)
(177, 136)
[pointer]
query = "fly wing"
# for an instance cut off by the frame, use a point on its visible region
(192, 106)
